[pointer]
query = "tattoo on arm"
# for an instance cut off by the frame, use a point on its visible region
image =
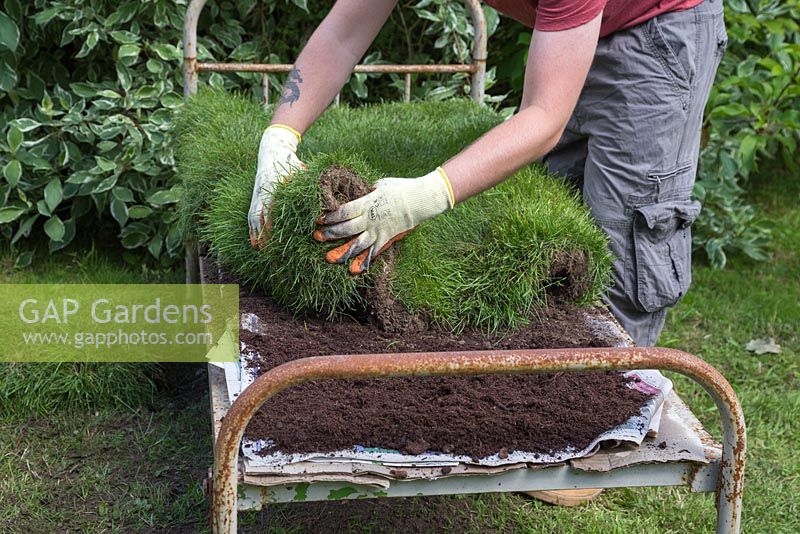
(291, 89)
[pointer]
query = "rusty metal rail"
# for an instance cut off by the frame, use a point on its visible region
(731, 477)
(477, 69)
(376, 68)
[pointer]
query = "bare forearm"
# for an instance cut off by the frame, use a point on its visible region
(557, 66)
(328, 59)
(317, 76)
(524, 138)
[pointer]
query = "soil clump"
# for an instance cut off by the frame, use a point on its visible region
(569, 275)
(390, 316)
(339, 185)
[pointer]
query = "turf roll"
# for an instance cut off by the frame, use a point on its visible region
(491, 263)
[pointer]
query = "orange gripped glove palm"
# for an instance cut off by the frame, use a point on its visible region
(375, 221)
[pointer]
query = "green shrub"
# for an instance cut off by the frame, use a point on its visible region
(486, 264)
(752, 125)
(86, 90)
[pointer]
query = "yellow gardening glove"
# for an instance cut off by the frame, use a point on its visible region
(277, 159)
(393, 208)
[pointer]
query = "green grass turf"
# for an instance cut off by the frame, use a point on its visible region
(485, 264)
(293, 266)
(488, 262)
(209, 145)
(39, 388)
(117, 471)
(109, 470)
(218, 135)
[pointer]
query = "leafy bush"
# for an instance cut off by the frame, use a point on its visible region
(487, 263)
(87, 89)
(752, 124)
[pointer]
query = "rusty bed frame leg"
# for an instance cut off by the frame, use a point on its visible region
(226, 451)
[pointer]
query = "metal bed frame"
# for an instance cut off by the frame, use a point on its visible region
(724, 474)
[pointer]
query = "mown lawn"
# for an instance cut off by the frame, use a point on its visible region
(137, 468)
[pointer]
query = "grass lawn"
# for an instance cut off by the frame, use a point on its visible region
(129, 468)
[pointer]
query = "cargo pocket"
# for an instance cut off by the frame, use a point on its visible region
(671, 37)
(662, 241)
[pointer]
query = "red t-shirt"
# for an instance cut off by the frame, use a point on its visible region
(555, 15)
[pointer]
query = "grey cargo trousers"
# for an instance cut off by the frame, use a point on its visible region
(632, 147)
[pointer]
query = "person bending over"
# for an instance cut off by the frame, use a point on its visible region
(613, 100)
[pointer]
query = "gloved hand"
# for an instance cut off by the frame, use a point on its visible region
(393, 208)
(277, 159)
